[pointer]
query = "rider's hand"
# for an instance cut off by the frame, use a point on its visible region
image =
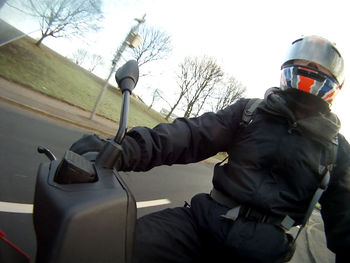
(88, 143)
(130, 157)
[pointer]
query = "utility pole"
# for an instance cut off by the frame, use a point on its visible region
(132, 40)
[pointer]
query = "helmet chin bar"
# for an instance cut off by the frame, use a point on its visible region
(310, 81)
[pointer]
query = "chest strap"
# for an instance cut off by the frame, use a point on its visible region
(236, 210)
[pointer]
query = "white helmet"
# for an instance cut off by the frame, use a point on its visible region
(315, 66)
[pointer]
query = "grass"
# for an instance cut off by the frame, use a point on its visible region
(42, 69)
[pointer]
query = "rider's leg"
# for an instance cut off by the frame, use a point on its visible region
(167, 236)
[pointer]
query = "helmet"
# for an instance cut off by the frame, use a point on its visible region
(315, 66)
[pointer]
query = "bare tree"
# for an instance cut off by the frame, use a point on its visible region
(228, 93)
(62, 18)
(207, 73)
(154, 45)
(95, 61)
(156, 96)
(185, 79)
(79, 56)
(198, 106)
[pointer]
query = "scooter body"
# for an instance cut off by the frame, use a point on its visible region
(83, 222)
(83, 210)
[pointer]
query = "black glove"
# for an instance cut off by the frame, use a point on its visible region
(88, 143)
(130, 157)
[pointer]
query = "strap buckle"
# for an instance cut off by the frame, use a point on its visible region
(287, 222)
(232, 214)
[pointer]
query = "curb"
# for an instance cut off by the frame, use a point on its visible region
(56, 117)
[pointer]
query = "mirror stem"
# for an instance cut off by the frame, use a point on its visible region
(123, 118)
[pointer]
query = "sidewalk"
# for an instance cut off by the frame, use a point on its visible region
(40, 103)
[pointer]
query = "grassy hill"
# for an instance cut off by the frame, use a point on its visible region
(46, 71)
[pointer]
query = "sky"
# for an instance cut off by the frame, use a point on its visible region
(248, 38)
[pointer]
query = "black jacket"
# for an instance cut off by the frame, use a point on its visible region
(273, 166)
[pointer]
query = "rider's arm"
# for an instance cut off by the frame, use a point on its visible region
(186, 140)
(336, 204)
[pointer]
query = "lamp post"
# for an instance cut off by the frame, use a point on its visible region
(132, 40)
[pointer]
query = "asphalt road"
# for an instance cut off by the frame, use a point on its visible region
(22, 131)
(8, 33)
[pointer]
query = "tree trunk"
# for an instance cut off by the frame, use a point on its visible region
(201, 105)
(173, 108)
(38, 43)
(150, 106)
(189, 109)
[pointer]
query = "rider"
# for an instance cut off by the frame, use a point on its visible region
(275, 164)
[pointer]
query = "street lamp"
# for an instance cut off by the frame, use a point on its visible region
(132, 40)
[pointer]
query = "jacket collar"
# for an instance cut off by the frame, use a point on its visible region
(321, 126)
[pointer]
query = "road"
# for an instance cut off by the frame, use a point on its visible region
(22, 131)
(8, 33)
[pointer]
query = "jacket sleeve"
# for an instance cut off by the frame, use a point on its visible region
(335, 204)
(186, 140)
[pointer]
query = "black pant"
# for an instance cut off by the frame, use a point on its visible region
(200, 234)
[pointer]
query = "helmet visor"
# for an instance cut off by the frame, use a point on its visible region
(320, 51)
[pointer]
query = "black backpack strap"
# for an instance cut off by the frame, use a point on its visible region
(249, 111)
(325, 170)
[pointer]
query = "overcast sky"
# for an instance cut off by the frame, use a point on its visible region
(247, 37)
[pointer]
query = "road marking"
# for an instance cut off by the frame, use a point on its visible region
(152, 203)
(16, 208)
(28, 208)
